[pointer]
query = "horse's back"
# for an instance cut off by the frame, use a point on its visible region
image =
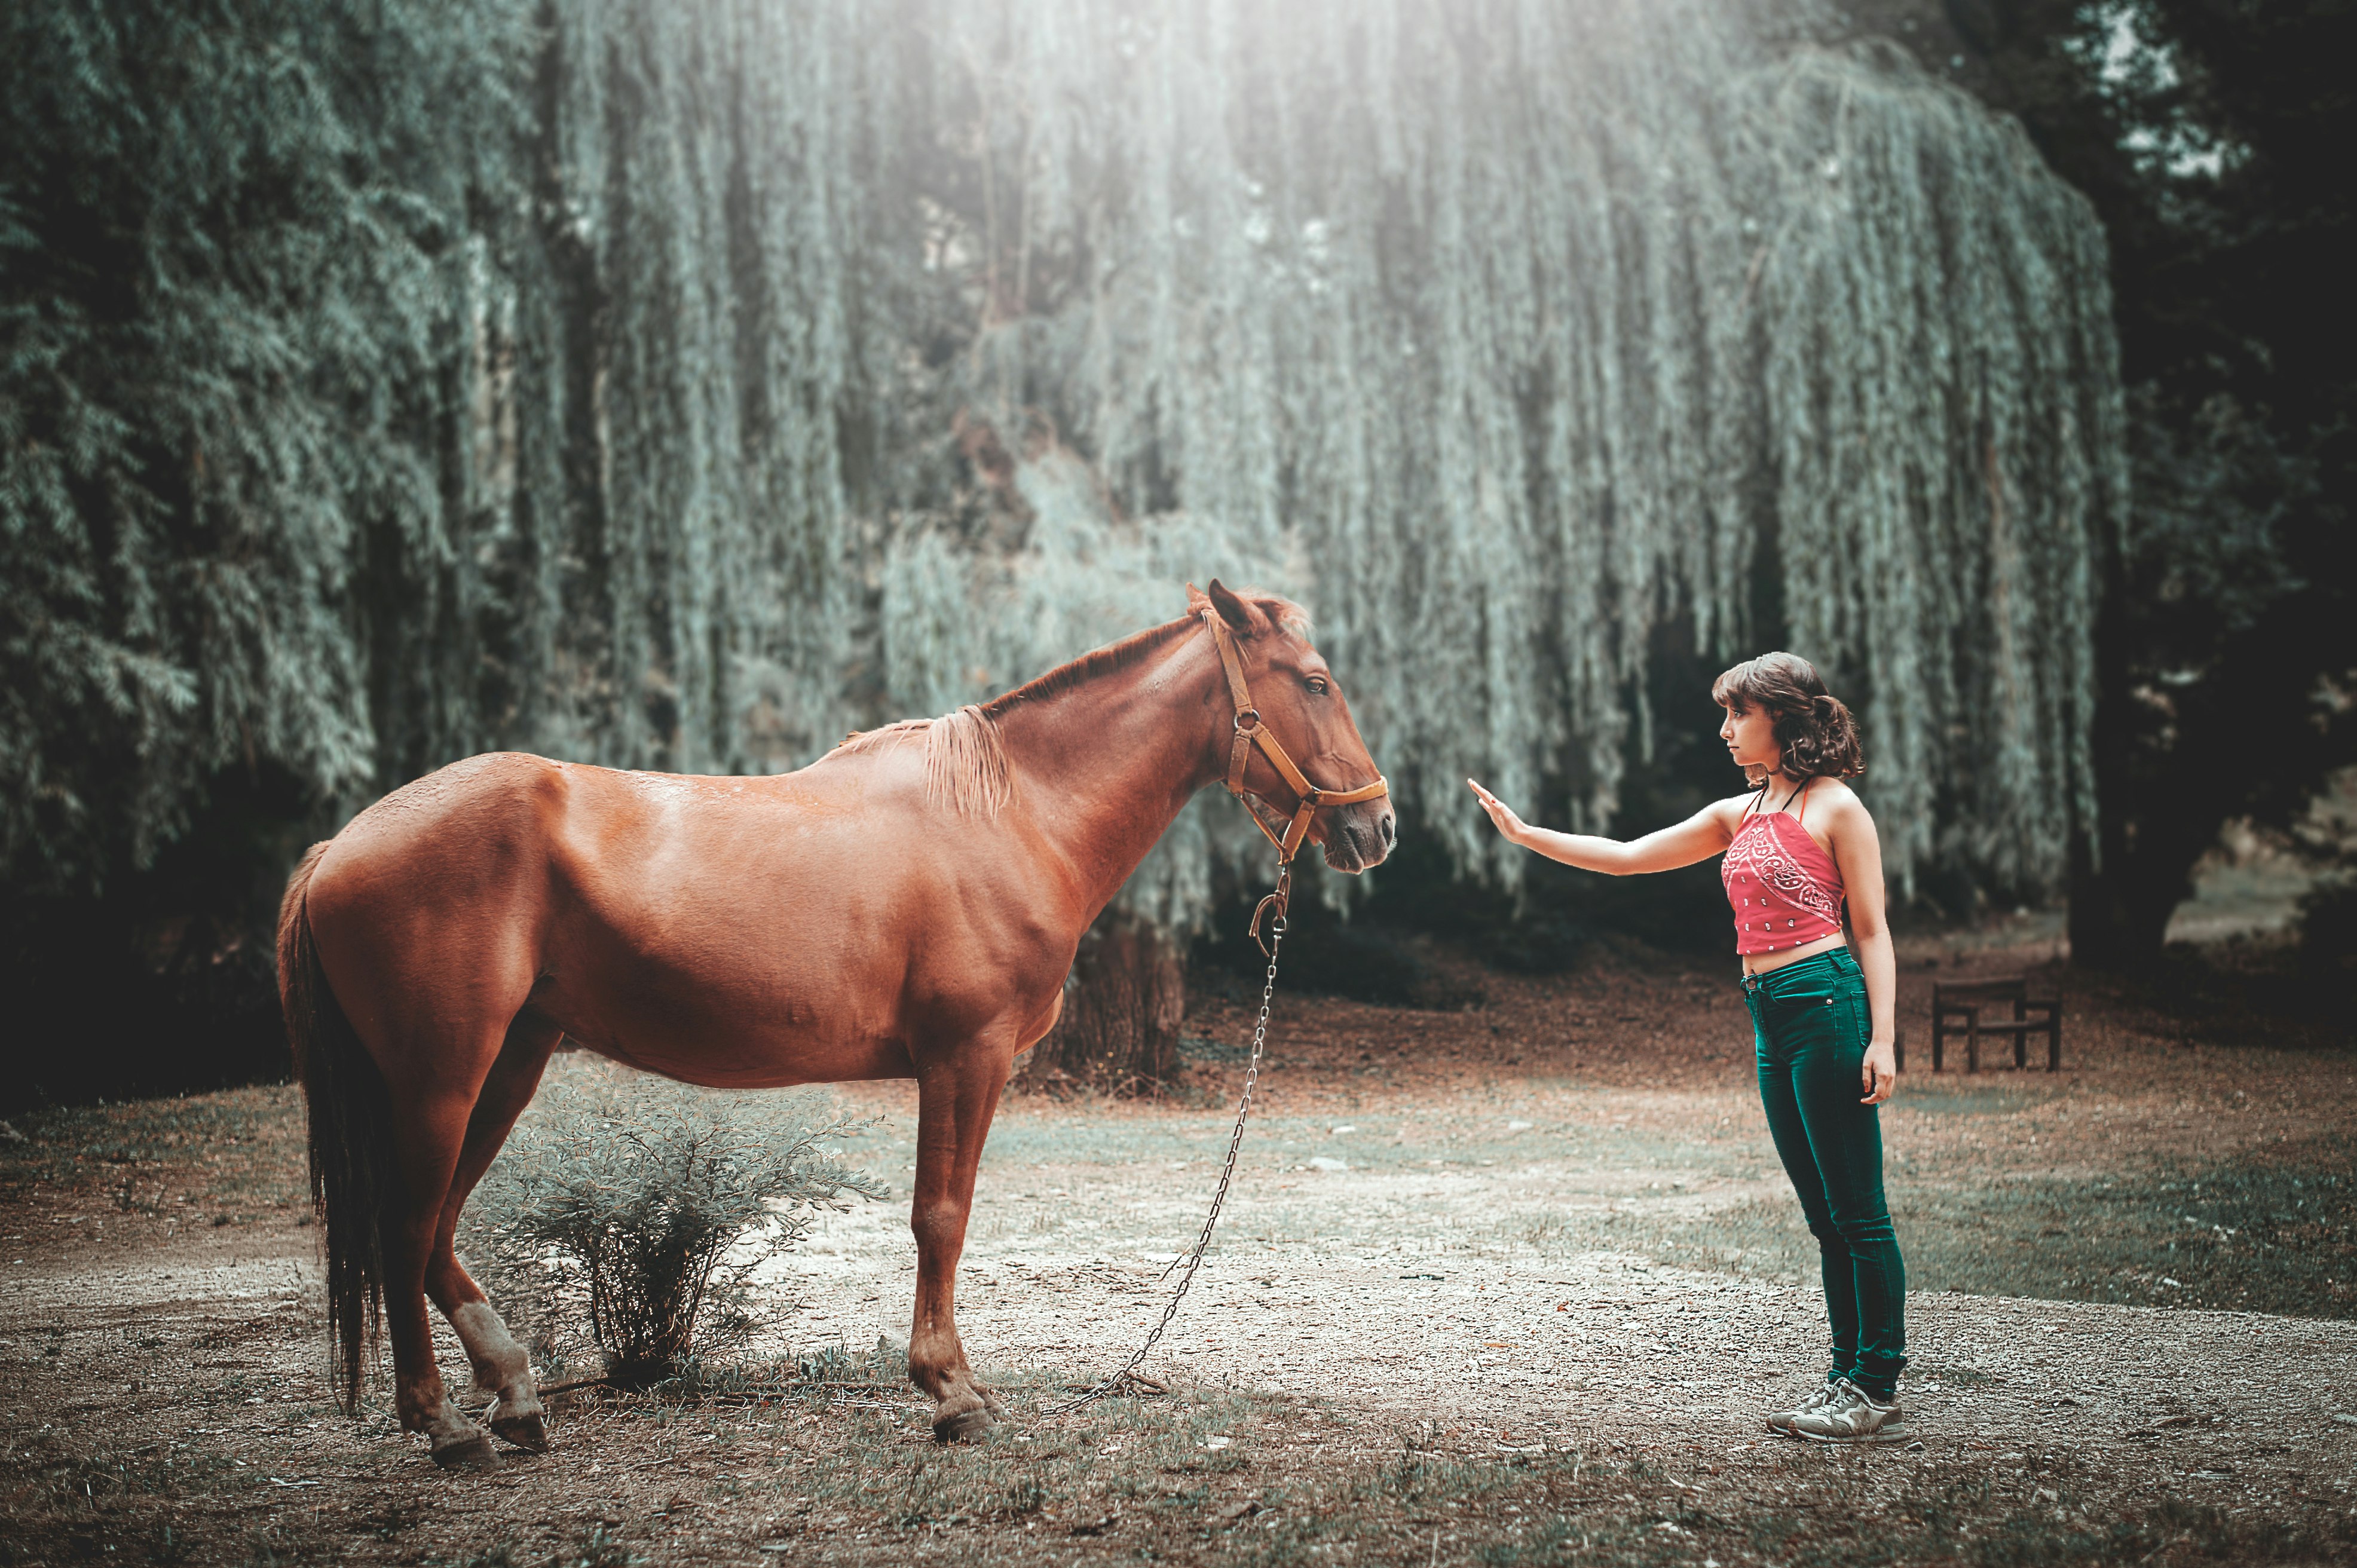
(722, 928)
(483, 818)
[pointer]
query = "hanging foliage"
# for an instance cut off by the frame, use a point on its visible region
(1041, 570)
(226, 312)
(621, 379)
(1529, 329)
(386, 382)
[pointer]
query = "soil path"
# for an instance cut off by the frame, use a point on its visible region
(1414, 1296)
(1400, 1296)
(1552, 1222)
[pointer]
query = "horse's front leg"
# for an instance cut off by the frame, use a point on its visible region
(956, 1095)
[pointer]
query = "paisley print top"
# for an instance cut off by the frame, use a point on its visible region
(1784, 890)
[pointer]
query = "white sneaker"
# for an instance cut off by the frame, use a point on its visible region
(1817, 1399)
(1852, 1417)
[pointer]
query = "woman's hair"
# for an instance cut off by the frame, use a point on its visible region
(1819, 738)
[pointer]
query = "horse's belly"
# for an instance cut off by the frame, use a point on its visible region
(825, 1062)
(746, 1025)
(765, 940)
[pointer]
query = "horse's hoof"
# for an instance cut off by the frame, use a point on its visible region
(467, 1453)
(526, 1432)
(965, 1425)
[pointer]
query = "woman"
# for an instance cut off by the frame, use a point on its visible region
(1796, 846)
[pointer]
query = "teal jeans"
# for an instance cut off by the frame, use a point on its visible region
(1810, 1025)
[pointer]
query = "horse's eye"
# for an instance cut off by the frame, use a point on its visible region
(1317, 684)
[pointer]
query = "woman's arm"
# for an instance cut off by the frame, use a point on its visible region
(1699, 837)
(1858, 854)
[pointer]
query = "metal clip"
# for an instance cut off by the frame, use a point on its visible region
(1279, 901)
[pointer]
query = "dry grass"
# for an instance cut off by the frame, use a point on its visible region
(850, 1473)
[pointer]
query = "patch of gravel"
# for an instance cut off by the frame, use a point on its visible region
(1396, 1294)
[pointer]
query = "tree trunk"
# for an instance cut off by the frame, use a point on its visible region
(1122, 1005)
(2251, 738)
(2153, 821)
(2119, 918)
(2110, 928)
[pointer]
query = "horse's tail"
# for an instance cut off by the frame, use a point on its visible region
(354, 1181)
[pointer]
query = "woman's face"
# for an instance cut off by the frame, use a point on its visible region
(1750, 738)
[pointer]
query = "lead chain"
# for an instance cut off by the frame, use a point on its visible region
(1194, 1260)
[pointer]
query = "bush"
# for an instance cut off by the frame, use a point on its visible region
(638, 1208)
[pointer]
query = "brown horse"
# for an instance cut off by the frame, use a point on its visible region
(906, 907)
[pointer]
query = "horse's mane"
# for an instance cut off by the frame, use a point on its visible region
(967, 767)
(1105, 661)
(1283, 613)
(965, 760)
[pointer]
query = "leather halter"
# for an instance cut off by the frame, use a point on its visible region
(1251, 732)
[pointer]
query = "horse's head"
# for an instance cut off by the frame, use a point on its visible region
(1302, 707)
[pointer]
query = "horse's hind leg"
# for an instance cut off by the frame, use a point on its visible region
(503, 1368)
(430, 1116)
(955, 1099)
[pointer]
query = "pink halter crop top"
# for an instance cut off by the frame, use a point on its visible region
(1783, 889)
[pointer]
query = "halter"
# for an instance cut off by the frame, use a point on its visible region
(1251, 732)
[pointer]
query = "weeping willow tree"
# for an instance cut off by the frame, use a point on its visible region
(384, 381)
(389, 382)
(224, 321)
(1527, 330)
(674, 385)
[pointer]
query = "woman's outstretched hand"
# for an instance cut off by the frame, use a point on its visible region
(1500, 813)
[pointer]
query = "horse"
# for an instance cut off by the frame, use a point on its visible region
(907, 907)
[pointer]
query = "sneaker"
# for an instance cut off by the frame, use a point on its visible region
(1852, 1417)
(1817, 1399)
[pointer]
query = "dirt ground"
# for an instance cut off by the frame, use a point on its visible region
(1513, 1284)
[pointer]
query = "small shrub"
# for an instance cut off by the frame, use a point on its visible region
(643, 1207)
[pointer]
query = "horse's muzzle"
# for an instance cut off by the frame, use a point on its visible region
(1359, 838)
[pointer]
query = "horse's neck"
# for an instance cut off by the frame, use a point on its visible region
(1104, 766)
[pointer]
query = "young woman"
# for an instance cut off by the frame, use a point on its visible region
(1796, 846)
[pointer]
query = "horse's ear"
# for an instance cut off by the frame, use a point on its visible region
(1197, 602)
(1233, 611)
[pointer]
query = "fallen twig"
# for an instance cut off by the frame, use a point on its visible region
(555, 1389)
(1128, 1382)
(777, 1390)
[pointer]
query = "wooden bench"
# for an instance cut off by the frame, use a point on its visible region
(1969, 1007)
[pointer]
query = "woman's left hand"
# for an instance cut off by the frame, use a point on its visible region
(1880, 1075)
(1500, 814)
